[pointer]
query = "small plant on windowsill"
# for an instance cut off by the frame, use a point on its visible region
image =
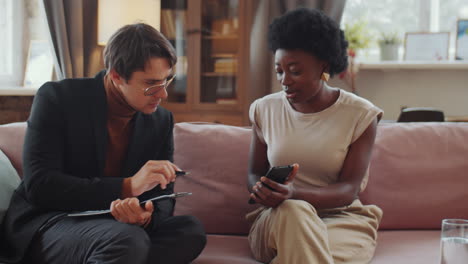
(389, 44)
(359, 38)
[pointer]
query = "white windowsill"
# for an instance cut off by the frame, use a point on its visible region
(17, 91)
(415, 65)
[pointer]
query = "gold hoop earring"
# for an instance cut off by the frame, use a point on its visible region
(325, 77)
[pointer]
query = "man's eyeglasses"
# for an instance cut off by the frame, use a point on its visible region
(152, 90)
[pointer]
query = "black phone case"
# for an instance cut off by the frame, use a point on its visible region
(278, 174)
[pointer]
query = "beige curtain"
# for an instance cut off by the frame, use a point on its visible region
(73, 35)
(262, 79)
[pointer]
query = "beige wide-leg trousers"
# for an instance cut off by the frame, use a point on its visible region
(296, 233)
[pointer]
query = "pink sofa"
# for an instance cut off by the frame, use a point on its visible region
(418, 176)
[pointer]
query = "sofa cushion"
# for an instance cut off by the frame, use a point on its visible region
(415, 247)
(216, 157)
(419, 174)
(226, 250)
(9, 180)
(11, 143)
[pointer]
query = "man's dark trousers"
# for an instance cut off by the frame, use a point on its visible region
(102, 239)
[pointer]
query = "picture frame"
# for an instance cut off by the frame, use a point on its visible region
(39, 66)
(461, 50)
(421, 46)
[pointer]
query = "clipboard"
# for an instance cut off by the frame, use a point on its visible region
(100, 212)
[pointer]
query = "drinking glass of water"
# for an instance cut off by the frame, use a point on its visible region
(454, 241)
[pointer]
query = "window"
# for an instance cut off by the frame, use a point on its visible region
(21, 21)
(402, 16)
(11, 30)
(5, 30)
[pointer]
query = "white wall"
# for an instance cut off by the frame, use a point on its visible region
(391, 89)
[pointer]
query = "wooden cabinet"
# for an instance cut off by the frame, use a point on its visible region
(211, 38)
(14, 108)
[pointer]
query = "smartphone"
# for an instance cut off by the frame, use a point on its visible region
(278, 174)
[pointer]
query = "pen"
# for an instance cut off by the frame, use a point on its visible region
(181, 173)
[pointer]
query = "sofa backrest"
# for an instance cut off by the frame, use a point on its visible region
(216, 157)
(419, 174)
(11, 143)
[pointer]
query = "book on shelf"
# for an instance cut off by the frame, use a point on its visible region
(226, 101)
(224, 55)
(225, 71)
(225, 65)
(181, 66)
(225, 89)
(173, 23)
(168, 23)
(225, 27)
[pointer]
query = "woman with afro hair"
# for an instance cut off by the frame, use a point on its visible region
(327, 134)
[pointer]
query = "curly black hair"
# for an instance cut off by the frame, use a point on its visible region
(312, 31)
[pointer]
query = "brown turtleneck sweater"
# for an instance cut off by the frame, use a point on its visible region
(120, 124)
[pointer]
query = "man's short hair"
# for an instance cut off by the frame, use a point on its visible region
(132, 46)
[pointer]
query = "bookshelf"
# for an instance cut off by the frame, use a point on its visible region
(211, 38)
(173, 24)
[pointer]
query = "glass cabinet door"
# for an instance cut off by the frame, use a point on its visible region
(219, 51)
(173, 26)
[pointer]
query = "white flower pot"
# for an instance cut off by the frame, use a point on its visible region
(389, 52)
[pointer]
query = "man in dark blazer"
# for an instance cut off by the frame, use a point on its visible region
(100, 143)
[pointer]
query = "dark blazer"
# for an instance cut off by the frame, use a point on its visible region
(64, 158)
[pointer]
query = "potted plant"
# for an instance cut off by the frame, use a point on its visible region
(389, 44)
(358, 37)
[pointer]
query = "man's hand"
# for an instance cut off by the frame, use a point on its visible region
(129, 211)
(279, 192)
(153, 173)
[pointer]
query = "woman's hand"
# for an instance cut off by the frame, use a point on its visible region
(129, 211)
(278, 192)
(152, 174)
